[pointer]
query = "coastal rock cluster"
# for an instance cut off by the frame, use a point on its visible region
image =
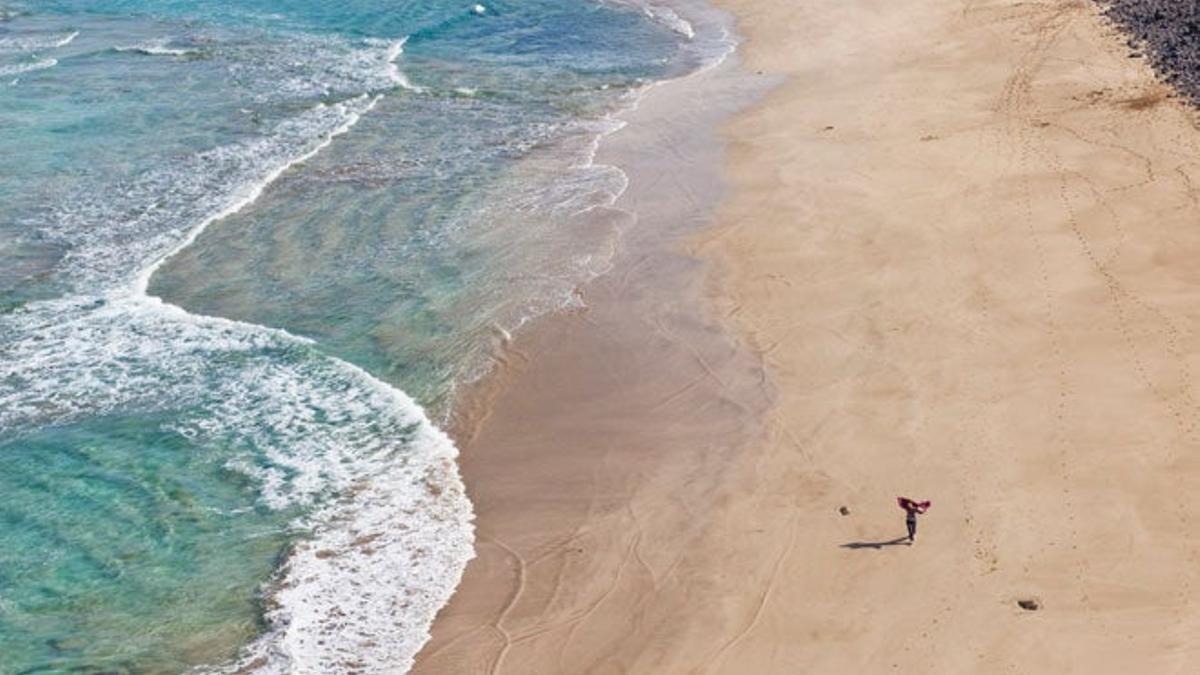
(1168, 33)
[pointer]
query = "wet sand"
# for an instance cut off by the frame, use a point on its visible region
(960, 241)
(597, 451)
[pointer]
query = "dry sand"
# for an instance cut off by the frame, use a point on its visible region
(962, 241)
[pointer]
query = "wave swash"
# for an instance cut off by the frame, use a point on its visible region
(389, 526)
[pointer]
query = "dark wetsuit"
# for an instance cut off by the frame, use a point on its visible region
(911, 521)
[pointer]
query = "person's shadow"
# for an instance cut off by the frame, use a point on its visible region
(877, 544)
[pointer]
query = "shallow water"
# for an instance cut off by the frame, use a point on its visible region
(342, 205)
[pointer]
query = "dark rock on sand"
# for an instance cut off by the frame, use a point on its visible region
(1029, 604)
(1168, 33)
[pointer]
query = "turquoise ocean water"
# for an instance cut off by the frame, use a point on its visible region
(248, 249)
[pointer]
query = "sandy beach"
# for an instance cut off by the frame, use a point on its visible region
(952, 258)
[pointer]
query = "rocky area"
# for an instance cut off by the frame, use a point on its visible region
(1168, 33)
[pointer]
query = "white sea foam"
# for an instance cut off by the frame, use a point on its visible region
(393, 49)
(392, 530)
(256, 165)
(156, 48)
(40, 64)
(359, 594)
(661, 14)
(389, 521)
(583, 185)
(669, 18)
(308, 65)
(66, 40)
(122, 235)
(587, 185)
(479, 9)
(31, 44)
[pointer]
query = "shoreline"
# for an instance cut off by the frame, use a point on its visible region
(961, 249)
(644, 345)
(317, 605)
(471, 403)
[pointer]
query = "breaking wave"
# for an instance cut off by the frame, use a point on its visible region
(388, 524)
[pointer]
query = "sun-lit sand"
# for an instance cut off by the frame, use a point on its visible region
(961, 241)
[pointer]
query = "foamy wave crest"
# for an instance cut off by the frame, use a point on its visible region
(41, 64)
(580, 187)
(388, 523)
(385, 54)
(360, 595)
(318, 66)
(30, 44)
(391, 531)
(669, 18)
(660, 14)
(120, 235)
(156, 48)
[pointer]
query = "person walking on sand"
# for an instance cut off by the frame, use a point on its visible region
(911, 509)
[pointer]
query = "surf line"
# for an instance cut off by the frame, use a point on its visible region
(276, 644)
(250, 194)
